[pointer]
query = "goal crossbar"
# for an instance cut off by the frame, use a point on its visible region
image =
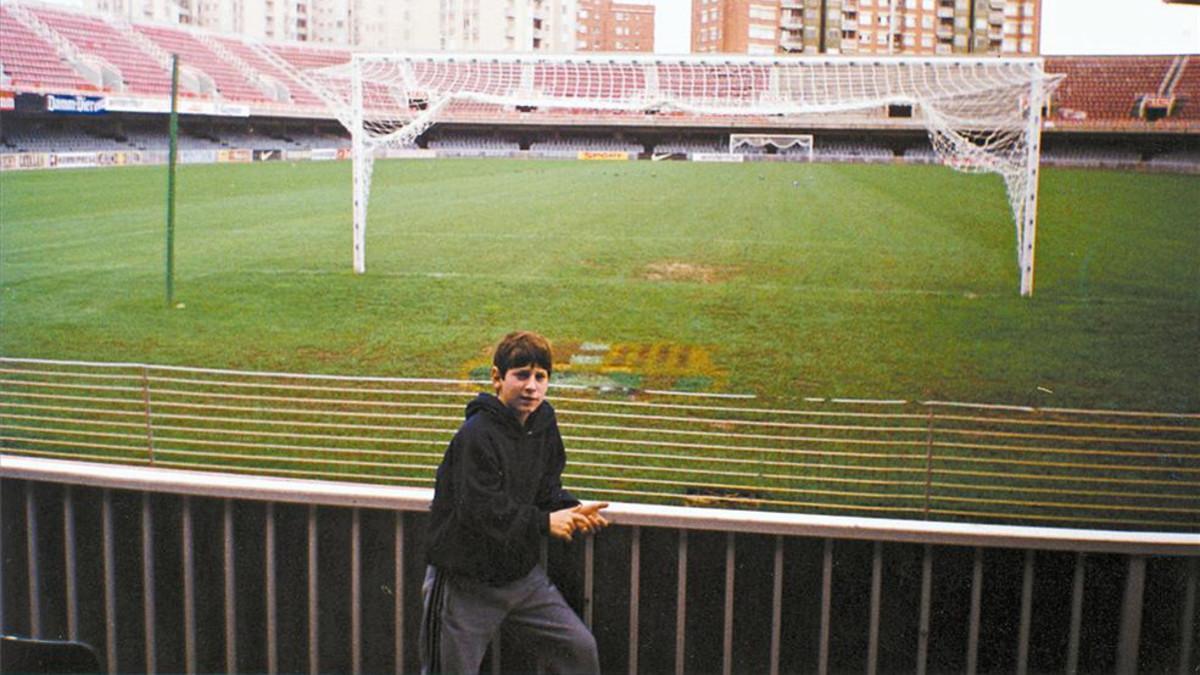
(982, 114)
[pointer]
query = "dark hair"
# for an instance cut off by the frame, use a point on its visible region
(522, 348)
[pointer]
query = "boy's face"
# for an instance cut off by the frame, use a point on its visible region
(522, 388)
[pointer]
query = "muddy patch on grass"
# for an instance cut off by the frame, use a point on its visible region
(673, 270)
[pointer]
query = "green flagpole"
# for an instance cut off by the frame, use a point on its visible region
(171, 155)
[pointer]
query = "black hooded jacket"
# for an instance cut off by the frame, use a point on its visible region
(496, 486)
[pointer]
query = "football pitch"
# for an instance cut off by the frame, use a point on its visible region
(789, 280)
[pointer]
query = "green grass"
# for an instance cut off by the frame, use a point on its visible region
(854, 281)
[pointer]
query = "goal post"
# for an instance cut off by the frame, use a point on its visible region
(781, 142)
(982, 114)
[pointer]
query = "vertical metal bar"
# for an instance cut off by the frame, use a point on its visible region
(70, 564)
(1076, 615)
(313, 604)
(32, 565)
(928, 460)
(189, 588)
(681, 603)
(398, 584)
(926, 602)
(876, 601)
(110, 582)
(730, 579)
(271, 599)
(826, 603)
(149, 413)
(635, 585)
(589, 580)
(1026, 615)
(777, 607)
(172, 154)
(148, 594)
(355, 591)
(1188, 621)
(976, 610)
(1131, 615)
(230, 592)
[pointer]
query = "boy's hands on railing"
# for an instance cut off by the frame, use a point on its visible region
(584, 518)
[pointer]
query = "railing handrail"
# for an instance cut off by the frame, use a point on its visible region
(469, 382)
(927, 460)
(333, 493)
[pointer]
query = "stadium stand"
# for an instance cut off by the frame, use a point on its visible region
(851, 152)
(254, 101)
(230, 83)
(680, 145)
(1178, 160)
(1107, 88)
(1186, 89)
(311, 57)
(1092, 155)
(569, 144)
(288, 90)
(32, 63)
(140, 72)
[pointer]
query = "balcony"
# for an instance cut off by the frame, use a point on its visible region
(173, 570)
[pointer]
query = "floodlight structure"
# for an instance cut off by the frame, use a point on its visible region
(982, 115)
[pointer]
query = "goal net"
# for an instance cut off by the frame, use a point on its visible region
(981, 114)
(779, 143)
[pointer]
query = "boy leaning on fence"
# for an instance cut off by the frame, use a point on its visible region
(498, 495)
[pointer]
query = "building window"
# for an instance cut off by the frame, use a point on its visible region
(762, 12)
(762, 32)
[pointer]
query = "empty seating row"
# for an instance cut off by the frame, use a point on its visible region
(32, 62)
(230, 83)
(92, 34)
(1106, 88)
(1100, 89)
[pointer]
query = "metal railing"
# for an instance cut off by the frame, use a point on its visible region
(931, 460)
(184, 571)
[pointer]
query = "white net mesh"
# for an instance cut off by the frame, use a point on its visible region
(779, 142)
(982, 115)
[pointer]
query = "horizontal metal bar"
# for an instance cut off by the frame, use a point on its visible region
(210, 484)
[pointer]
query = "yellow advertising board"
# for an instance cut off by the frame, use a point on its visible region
(603, 155)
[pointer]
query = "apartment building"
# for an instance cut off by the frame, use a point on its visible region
(607, 26)
(384, 25)
(996, 27)
(736, 26)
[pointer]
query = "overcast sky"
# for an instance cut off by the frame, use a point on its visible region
(1068, 27)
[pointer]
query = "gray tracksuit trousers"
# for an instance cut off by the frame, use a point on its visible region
(462, 615)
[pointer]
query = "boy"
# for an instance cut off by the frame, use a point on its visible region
(498, 494)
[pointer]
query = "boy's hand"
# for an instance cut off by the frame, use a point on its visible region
(595, 521)
(583, 518)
